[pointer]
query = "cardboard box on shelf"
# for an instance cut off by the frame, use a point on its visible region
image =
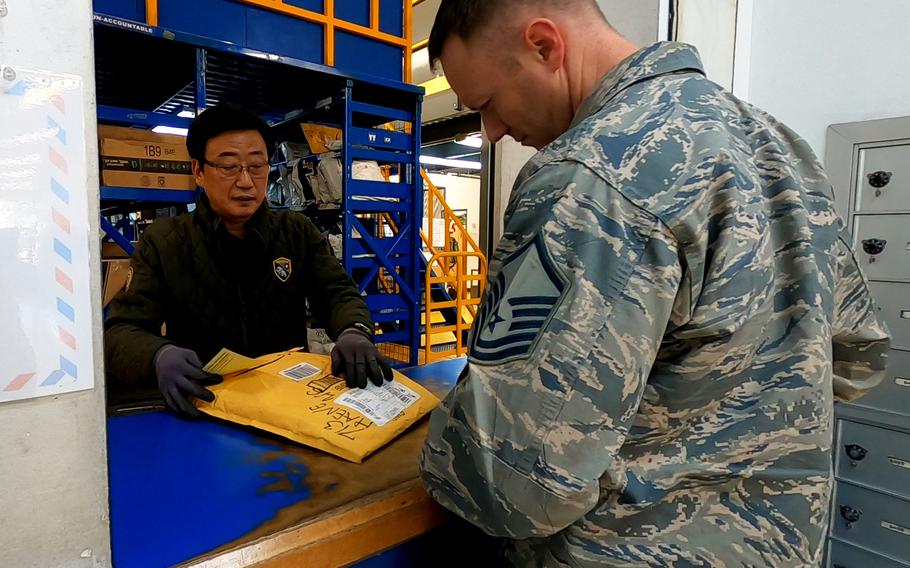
(322, 138)
(143, 159)
(116, 273)
(112, 251)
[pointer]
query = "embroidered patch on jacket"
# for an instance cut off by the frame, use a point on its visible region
(522, 299)
(282, 268)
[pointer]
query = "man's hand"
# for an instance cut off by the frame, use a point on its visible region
(357, 359)
(180, 376)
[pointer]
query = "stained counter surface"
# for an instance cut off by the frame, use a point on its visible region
(211, 494)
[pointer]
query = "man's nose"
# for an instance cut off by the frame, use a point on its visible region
(244, 179)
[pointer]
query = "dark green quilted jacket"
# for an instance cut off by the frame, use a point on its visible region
(215, 290)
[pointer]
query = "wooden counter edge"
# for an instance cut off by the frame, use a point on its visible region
(342, 536)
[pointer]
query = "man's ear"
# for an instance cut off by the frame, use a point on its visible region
(545, 38)
(198, 174)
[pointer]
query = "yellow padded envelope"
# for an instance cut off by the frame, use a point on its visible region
(295, 395)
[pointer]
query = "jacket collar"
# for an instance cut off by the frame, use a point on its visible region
(661, 58)
(260, 225)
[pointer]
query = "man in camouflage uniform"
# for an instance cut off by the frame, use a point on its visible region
(672, 310)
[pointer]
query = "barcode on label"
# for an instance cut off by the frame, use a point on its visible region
(406, 399)
(380, 404)
(301, 372)
(359, 406)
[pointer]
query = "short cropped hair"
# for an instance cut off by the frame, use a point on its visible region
(222, 118)
(464, 18)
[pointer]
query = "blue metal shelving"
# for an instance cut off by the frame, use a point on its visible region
(199, 72)
(132, 194)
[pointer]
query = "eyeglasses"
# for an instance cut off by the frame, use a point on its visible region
(256, 171)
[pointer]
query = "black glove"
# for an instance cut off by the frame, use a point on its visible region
(356, 358)
(180, 376)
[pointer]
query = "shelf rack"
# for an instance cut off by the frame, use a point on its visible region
(145, 75)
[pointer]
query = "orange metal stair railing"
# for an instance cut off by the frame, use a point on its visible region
(449, 265)
(458, 265)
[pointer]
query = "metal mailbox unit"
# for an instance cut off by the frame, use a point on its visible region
(869, 165)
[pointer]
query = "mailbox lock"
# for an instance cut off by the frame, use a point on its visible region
(856, 453)
(879, 179)
(850, 514)
(874, 247)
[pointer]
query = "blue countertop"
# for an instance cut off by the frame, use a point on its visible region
(182, 488)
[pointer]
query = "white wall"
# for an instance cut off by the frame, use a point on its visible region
(710, 25)
(53, 476)
(813, 63)
(510, 158)
(462, 193)
(638, 20)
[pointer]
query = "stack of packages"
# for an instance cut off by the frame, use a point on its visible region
(326, 179)
(292, 190)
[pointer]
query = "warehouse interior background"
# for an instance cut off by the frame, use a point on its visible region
(812, 64)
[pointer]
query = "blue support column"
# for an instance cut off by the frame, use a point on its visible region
(417, 259)
(201, 90)
(367, 256)
(126, 228)
(347, 212)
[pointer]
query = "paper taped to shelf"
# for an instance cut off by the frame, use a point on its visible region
(295, 395)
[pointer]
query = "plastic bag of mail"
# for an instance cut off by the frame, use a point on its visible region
(295, 396)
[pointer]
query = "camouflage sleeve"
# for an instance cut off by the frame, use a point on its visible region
(584, 285)
(861, 339)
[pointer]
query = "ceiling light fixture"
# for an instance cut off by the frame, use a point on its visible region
(473, 141)
(463, 164)
(170, 130)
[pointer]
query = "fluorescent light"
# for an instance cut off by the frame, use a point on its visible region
(471, 141)
(171, 130)
(462, 156)
(463, 164)
(186, 114)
